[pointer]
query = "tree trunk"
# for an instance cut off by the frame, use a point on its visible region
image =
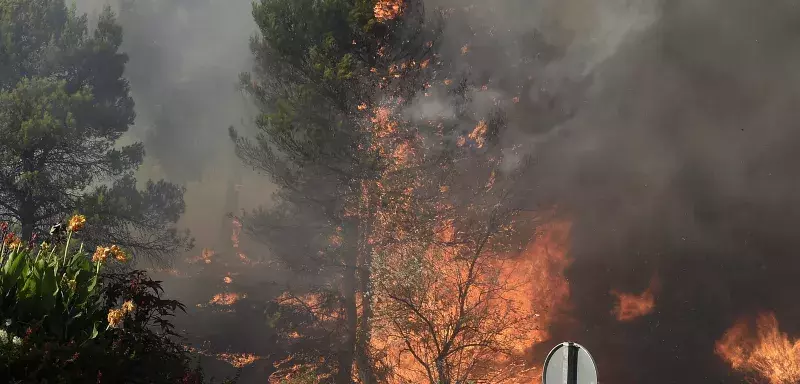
(441, 370)
(365, 372)
(27, 227)
(27, 217)
(347, 351)
(28, 207)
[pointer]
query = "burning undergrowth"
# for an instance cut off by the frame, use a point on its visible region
(765, 355)
(678, 165)
(667, 150)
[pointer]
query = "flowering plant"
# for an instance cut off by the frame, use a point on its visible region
(64, 318)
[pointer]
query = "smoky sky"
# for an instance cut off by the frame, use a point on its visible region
(676, 158)
(666, 130)
(184, 60)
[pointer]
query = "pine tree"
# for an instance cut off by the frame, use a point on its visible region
(64, 108)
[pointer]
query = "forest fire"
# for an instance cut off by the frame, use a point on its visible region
(631, 306)
(769, 356)
(478, 135)
(514, 300)
(238, 360)
(226, 298)
(206, 256)
(543, 263)
(386, 10)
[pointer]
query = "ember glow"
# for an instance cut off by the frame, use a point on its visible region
(478, 135)
(289, 369)
(226, 298)
(532, 294)
(630, 306)
(766, 355)
(386, 10)
(206, 257)
(543, 262)
(238, 360)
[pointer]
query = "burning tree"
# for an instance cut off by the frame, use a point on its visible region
(320, 68)
(448, 306)
(766, 356)
(392, 218)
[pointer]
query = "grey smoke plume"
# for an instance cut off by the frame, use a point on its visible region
(185, 58)
(666, 130)
(676, 159)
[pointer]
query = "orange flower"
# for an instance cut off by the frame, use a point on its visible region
(101, 254)
(118, 254)
(115, 317)
(12, 240)
(128, 306)
(76, 223)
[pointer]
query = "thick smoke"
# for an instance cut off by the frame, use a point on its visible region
(664, 129)
(676, 159)
(185, 58)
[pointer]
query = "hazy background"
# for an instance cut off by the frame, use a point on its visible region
(665, 129)
(185, 58)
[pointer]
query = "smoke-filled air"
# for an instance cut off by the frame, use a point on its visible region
(398, 191)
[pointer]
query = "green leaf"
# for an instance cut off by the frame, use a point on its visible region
(95, 332)
(49, 286)
(13, 269)
(92, 284)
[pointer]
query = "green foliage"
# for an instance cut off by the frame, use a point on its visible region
(319, 69)
(64, 105)
(56, 292)
(65, 320)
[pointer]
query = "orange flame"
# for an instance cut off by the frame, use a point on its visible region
(238, 360)
(289, 368)
(544, 261)
(314, 303)
(386, 10)
(205, 256)
(531, 295)
(478, 135)
(631, 306)
(226, 298)
(768, 354)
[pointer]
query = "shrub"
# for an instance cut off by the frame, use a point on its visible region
(64, 319)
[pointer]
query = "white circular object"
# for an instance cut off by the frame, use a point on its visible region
(569, 363)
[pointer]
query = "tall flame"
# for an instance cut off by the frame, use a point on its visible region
(768, 355)
(545, 260)
(531, 295)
